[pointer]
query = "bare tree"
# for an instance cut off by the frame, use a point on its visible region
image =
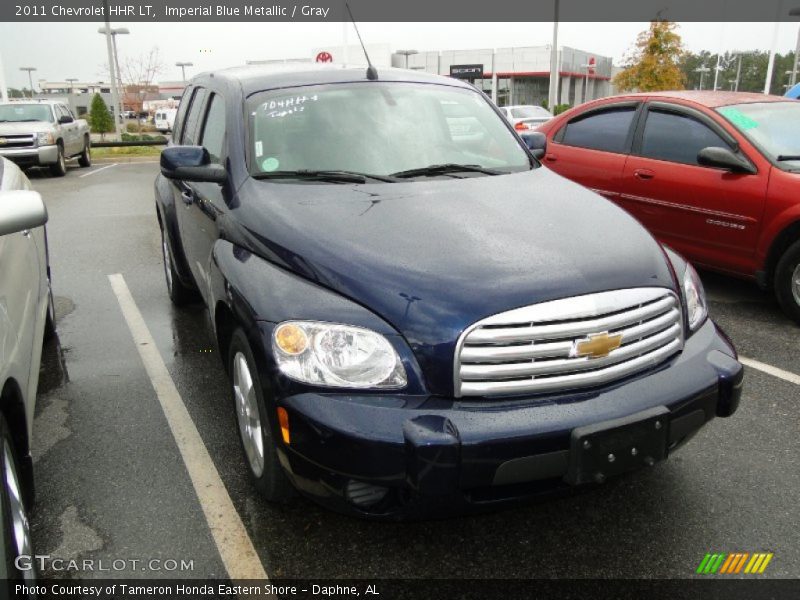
(137, 75)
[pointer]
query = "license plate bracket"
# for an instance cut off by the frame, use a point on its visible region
(602, 450)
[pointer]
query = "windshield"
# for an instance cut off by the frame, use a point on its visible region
(530, 112)
(772, 126)
(378, 128)
(25, 112)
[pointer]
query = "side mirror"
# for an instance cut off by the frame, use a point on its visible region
(21, 210)
(191, 163)
(536, 142)
(723, 158)
(65, 119)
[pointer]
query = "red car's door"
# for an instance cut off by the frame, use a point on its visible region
(591, 147)
(710, 215)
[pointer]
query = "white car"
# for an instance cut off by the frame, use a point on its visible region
(165, 119)
(26, 317)
(525, 117)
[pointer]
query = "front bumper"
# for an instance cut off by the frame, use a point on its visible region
(411, 456)
(31, 157)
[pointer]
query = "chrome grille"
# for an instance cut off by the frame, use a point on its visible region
(17, 141)
(533, 349)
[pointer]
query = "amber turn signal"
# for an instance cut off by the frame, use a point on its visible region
(283, 420)
(291, 339)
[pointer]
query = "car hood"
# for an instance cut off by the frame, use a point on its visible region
(23, 128)
(431, 257)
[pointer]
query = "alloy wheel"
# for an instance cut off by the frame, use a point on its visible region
(20, 527)
(248, 414)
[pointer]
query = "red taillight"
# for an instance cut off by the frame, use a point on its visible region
(521, 126)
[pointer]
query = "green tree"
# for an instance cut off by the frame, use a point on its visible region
(751, 76)
(655, 62)
(100, 119)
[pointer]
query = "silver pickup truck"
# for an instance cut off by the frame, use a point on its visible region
(43, 133)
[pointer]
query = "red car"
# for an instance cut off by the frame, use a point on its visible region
(714, 175)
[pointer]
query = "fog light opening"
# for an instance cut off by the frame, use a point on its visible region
(365, 495)
(283, 420)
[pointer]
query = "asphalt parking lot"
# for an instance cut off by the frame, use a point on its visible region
(111, 483)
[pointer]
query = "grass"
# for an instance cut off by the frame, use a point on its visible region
(127, 151)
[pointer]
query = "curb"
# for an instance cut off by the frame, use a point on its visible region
(124, 159)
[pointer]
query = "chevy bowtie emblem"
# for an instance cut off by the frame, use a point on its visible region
(596, 345)
(3, 141)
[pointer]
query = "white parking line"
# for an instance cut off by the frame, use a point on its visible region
(770, 370)
(234, 545)
(97, 170)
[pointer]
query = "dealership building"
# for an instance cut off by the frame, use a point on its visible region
(521, 75)
(509, 75)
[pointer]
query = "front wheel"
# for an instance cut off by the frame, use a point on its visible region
(59, 169)
(15, 527)
(787, 281)
(255, 431)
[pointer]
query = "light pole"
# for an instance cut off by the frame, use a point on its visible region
(117, 82)
(30, 77)
(702, 70)
(183, 66)
(553, 92)
(771, 62)
(3, 90)
(71, 81)
(407, 53)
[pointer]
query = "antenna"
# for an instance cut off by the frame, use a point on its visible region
(372, 72)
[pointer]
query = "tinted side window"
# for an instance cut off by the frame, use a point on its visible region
(183, 106)
(677, 138)
(607, 130)
(191, 130)
(214, 128)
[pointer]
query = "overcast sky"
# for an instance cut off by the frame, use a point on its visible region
(61, 50)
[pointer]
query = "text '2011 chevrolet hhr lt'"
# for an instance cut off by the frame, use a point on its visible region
(416, 319)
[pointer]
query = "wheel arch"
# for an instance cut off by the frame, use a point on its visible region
(785, 238)
(12, 407)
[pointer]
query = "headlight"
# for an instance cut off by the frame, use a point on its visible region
(45, 139)
(695, 297)
(336, 355)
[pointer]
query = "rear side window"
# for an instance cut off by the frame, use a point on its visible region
(191, 130)
(183, 107)
(214, 128)
(607, 130)
(676, 138)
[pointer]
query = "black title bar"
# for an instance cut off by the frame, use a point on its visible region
(405, 10)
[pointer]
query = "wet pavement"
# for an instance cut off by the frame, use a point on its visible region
(111, 483)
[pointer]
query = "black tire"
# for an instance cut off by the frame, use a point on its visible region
(59, 169)
(85, 157)
(787, 281)
(50, 320)
(15, 505)
(272, 483)
(178, 293)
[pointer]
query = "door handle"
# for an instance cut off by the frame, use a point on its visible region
(187, 196)
(550, 157)
(643, 174)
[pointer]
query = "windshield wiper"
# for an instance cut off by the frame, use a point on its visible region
(783, 157)
(332, 175)
(444, 169)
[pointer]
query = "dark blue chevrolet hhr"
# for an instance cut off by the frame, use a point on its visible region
(415, 317)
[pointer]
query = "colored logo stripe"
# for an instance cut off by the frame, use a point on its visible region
(729, 564)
